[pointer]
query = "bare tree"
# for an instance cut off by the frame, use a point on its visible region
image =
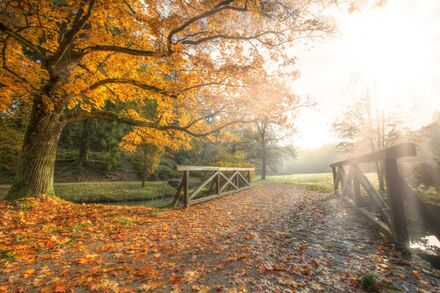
(361, 125)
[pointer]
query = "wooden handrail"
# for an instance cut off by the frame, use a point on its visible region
(211, 168)
(224, 184)
(394, 152)
(392, 220)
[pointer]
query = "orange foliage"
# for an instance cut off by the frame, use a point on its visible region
(188, 57)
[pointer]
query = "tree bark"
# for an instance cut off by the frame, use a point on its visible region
(143, 180)
(263, 159)
(85, 144)
(35, 172)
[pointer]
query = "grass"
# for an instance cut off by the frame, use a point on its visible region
(87, 192)
(322, 182)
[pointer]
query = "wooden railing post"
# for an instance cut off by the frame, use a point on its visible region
(236, 179)
(335, 178)
(357, 189)
(398, 219)
(217, 187)
(344, 180)
(185, 189)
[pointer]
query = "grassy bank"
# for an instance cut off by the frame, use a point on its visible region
(85, 192)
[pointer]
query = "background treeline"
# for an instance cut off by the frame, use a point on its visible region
(93, 151)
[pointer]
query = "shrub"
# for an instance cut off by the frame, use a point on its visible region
(427, 175)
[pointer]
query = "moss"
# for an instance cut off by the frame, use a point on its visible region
(17, 191)
(370, 282)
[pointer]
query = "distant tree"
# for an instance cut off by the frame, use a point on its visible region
(146, 152)
(433, 135)
(268, 136)
(273, 107)
(146, 159)
(93, 144)
(363, 126)
(13, 124)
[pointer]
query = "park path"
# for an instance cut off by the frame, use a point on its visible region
(272, 238)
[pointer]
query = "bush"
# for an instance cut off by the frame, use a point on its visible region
(165, 170)
(427, 175)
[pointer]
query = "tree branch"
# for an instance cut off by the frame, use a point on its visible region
(23, 41)
(132, 82)
(77, 25)
(77, 117)
(230, 37)
(223, 5)
(117, 49)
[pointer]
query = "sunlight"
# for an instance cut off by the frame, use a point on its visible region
(390, 52)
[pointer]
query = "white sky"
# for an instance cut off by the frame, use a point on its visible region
(391, 51)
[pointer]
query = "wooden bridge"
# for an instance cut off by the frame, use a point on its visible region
(221, 181)
(387, 214)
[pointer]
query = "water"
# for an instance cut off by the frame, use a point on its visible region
(154, 203)
(426, 243)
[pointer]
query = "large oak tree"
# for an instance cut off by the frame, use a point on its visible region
(69, 60)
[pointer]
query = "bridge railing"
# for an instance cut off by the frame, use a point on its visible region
(387, 214)
(221, 181)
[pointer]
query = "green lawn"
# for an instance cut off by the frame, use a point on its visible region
(320, 182)
(108, 191)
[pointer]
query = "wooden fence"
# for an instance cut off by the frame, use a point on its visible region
(387, 214)
(221, 181)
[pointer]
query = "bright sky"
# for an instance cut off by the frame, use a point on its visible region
(391, 51)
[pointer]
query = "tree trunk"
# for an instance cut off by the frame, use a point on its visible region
(36, 166)
(85, 144)
(263, 160)
(143, 180)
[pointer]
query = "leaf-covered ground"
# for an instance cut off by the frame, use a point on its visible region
(277, 237)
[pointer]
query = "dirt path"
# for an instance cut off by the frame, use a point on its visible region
(280, 238)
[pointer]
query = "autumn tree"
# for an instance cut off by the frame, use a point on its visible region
(273, 106)
(69, 59)
(363, 125)
(146, 159)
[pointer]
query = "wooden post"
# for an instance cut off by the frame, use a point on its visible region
(236, 180)
(350, 184)
(398, 218)
(217, 187)
(185, 189)
(342, 180)
(249, 177)
(357, 190)
(177, 196)
(335, 182)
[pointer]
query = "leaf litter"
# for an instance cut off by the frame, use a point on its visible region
(272, 238)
